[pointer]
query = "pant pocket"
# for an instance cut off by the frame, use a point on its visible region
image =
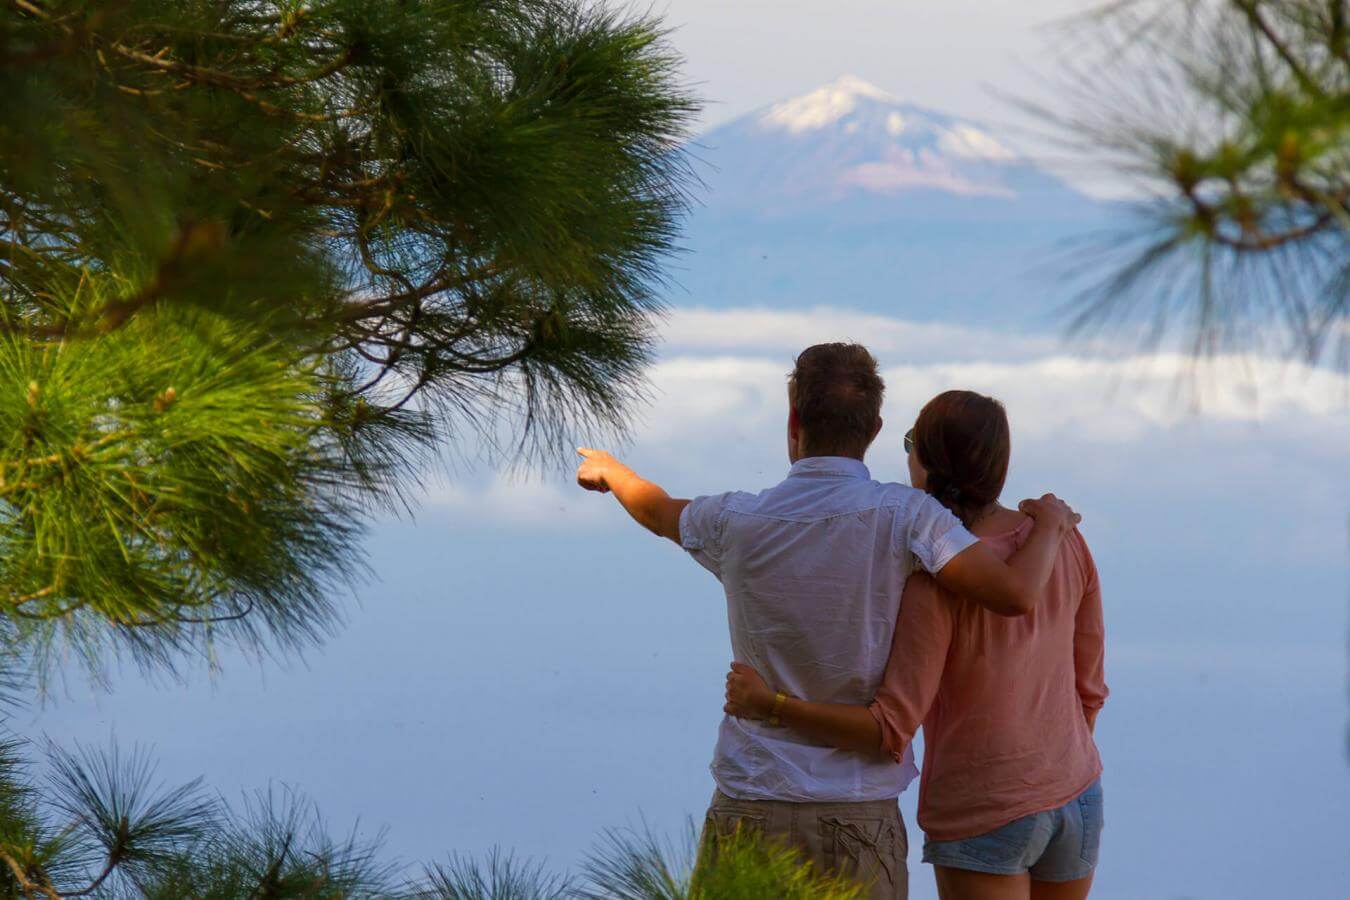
(1006, 846)
(1090, 810)
(721, 824)
(863, 850)
(726, 822)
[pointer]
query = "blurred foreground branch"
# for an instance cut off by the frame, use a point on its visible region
(259, 260)
(1234, 116)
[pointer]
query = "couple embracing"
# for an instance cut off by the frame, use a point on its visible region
(860, 610)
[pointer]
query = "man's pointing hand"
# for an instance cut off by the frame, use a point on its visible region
(594, 466)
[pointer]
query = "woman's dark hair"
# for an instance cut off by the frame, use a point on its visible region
(963, 441)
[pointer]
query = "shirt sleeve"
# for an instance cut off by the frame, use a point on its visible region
(935, 534)
(1089, 638)
(702, 524)
(923, 634)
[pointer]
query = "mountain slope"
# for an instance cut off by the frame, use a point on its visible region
(851, 141)
(849, 196)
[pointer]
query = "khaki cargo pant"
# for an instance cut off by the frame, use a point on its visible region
(862, 841)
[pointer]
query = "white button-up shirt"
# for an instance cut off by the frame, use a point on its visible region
(813, 570)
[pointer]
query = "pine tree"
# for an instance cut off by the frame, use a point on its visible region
(1235, 116)
(258, 260)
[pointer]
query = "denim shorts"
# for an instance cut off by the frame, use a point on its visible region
(1056, 845)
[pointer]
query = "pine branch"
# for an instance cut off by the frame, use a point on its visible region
(338, 233)
(1249, 236)
(1252, 10)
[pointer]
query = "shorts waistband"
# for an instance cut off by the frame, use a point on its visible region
(881, 806)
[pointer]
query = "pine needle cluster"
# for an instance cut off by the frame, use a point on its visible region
(1234, 116)
(635, 864)
(259, 259)
(100, 824)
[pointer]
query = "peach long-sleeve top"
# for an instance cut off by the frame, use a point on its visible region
(1003, 701)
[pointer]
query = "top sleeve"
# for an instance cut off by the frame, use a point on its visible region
(1089, 638)
(923, 634)
(935, 534)
(702, 524)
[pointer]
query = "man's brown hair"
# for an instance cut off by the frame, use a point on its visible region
(836, 392)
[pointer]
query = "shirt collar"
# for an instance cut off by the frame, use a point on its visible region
(842, 466)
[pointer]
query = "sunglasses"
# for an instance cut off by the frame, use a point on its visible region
(909, 442)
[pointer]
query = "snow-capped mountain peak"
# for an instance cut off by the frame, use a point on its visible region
(856, 107)
(853, 138)
(825, 105)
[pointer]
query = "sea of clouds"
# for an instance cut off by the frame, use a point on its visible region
(1232, 435)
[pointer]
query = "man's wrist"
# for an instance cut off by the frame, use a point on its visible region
(607, 475)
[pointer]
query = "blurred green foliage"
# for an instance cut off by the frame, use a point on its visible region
(100, 824)
(259, 260)
(1233, 118)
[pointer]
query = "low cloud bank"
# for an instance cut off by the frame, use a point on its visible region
(1138, 435)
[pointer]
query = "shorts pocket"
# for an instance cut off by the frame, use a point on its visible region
(1094, 820)
(862, 850)
(1004, 846)
(725, 822)
(722, 823)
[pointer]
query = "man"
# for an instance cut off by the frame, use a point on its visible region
(813, 569)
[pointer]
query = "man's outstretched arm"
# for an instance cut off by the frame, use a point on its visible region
(1012, 588)
(649, 505)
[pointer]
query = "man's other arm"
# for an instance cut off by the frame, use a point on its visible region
(648, 504)
(1012, 588)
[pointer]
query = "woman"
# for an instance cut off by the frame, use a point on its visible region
(1010, 798)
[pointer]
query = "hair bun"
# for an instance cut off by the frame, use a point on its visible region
(943, 488)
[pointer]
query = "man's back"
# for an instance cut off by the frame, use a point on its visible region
(813, 570)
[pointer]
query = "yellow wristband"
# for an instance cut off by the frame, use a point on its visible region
(779, 699)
